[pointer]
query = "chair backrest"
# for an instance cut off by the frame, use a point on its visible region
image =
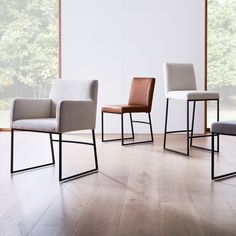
(63, 89)
(179, 77)
(141, 92)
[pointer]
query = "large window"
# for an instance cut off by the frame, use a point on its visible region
(222, 56)
(28, 50)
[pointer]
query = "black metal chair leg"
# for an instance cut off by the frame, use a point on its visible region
(219, 177)
(132, 126)
(116, 139)
(150, 124)
(176, 131)
(212, 155)
(52, 149)
(12, 171)
(122, 129)
(187, 128)
(92, 171)
(166, 120)
(193, 119)
(190, 136)
(102, 127)
(60, 156)
(12, 150)
(218, 118)
(95, 149)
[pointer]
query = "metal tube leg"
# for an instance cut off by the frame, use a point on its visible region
(150, 123)
(95, 149)
(60, 156)
(166, 120)
(131, 123)
(122, 129)
(218, 118)
(193, 119)
(52, 149)
(102, 127)
(187, 128)
(212, 156)
(12, 150)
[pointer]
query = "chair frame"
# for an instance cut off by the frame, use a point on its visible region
(61, 141)
(189, 140)
(122, 139)
(218, 177)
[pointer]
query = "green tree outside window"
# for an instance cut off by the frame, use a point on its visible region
(28, 50)
(222, 56)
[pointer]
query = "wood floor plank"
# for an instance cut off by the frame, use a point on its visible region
(102, 214)
(140, 190)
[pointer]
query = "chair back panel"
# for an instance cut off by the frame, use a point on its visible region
(141, 92)
(72, 90)
(179, 77)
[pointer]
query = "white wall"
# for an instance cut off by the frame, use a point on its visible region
(114, 41)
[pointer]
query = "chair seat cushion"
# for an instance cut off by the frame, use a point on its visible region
(125, 108)
(224, 127)
(193, 95)
(42, 124)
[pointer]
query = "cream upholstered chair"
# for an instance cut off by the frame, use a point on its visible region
(72, 106)
(180, 84)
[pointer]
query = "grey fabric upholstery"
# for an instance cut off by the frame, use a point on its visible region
(224, 127)
(43, 124)
(179, 76)
(192, 95)
(72, 106)
(76, 90)
(31, 108)
(76, 115)
(180, 83)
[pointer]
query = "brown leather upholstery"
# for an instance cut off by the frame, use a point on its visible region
(124, 108)
(140, 98)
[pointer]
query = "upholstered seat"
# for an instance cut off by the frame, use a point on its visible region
(192, 95)
(124, 108)
(224, 127)
(43, 124)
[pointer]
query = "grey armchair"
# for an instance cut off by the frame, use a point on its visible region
(71, 107)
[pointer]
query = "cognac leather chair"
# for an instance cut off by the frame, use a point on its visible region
(140, 101)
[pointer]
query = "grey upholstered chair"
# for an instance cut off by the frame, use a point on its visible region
(221, 128)
(72, 106)
(180, 84)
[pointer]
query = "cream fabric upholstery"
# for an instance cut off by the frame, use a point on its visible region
(76, 115)
(72, 106)
(180, 83)
(179, 77)
(43, 124)
(31, 108)
(192, 95)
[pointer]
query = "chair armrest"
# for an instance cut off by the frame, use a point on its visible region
(30, 109)
(76, 115)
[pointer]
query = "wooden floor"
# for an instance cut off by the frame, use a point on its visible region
(140, 190)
